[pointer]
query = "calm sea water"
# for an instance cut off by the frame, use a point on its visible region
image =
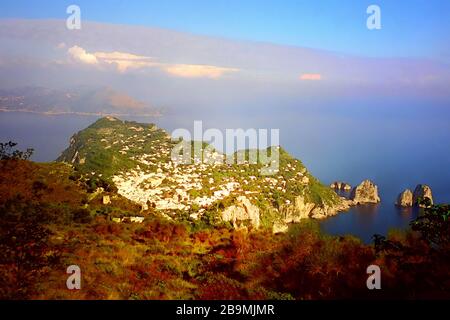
(393, 150)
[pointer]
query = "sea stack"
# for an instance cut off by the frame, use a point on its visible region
(366, 192)
(405, 199)
(422, 191)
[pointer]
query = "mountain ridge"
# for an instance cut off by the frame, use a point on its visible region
(78, 100)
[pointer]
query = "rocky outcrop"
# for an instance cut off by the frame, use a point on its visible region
(242, 214)
(302, 209)
(297, 211)
(129, 219)
(280, 227)
(337, 185)
(106, 200)
(405, 199)
(325, 210)
(366, 192)
(422, 191)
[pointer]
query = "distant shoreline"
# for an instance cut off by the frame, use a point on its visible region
(89, 114)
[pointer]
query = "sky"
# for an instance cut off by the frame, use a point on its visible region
(414, 28)
(233, 55)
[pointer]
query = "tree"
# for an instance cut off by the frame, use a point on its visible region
(434, 224)
(24, 249)
(8, 152)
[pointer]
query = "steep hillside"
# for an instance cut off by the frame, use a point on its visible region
(51, 218)
(136, 159)
(61, 187)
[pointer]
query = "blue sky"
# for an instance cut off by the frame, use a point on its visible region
(417, 28)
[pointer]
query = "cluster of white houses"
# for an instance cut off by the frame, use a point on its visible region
(161, 182)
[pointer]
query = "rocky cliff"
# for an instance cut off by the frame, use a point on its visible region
(302, 208)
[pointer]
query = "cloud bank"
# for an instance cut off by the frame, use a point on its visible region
(124, 61)
(162, 65)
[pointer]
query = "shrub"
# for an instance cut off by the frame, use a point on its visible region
(8, 152)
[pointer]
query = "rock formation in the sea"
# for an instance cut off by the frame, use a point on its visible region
(422, 191)
(405, 199)
(337, 185)
(366, 192)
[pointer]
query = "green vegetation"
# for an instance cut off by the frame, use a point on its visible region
(111, 147)
(99, 148)
(57, 214)
(8, 152)
(51, 221)
(434, 224)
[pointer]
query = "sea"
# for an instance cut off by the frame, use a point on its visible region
(396, 148)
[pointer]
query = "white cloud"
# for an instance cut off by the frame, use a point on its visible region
(311, 77)
(124, 61)
(198, 71)
(79, 54)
